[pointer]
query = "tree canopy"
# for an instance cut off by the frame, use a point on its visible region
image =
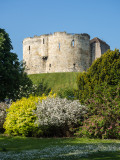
(105, 69)
(11, 70)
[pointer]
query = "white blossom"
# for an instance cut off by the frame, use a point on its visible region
(57, 111)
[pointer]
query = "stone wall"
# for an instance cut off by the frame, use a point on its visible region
(97, 47)
(60, 52)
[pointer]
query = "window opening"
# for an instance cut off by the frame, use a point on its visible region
(29, 49)
(43, 41)
(59, 46)
(74, 65)
(49, 65)
(73, 43)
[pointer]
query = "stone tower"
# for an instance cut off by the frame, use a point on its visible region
(61, 52)
(98, 47)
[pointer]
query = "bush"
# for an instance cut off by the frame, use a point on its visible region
(3, 107)
(104, 69)
(20, 117)
(27, 88)
(103, 118)
(41, 88)
(66, 93)
(56, 116)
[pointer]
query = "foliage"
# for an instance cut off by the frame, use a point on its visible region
(103, 118)
(12, 74)
(58, 114)
(66, 93)
(20, 117)
(104, 69)
(3, 107)
(41, 88)
(5, 41)
(30, 89)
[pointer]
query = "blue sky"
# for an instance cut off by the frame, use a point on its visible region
(26, 18)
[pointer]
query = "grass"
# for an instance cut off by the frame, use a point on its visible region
(56, 81)
(21, 148)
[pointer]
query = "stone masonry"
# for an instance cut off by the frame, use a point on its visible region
(61, 52)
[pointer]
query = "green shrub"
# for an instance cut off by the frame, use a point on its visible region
(103, 118)
(27, 88)
(41, 88)
(104, 69)
(66, 93)
(3, 107)
(20, 118)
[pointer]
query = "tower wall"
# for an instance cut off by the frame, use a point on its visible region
(67, 52)
(35, 53)
(98, 47)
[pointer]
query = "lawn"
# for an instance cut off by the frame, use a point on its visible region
(21, 148)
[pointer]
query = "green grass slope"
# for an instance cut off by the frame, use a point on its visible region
(56, 81)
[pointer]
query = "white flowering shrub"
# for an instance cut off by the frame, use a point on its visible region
(60, 113)
(3, 107)
(35, 90)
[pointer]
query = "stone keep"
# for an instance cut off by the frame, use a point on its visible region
(61, 52)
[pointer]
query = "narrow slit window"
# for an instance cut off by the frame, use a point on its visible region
(29, 49)
(59, 46)
(73, 43)
(43, 41)
(49, 65)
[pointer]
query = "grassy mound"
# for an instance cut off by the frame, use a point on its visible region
(56, 81)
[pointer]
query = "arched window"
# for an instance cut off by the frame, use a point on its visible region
(73, 43)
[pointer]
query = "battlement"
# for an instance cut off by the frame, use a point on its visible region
(57, 33)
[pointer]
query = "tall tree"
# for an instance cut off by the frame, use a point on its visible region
(11, 70)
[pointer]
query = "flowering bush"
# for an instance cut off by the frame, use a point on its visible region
(103, 118)
(58, 114)
(3, 107)
(35, 90)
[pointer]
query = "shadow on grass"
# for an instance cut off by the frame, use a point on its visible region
(94, 156)
(63, 148)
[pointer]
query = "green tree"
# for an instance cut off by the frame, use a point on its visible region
(12, 73)
(105, 69)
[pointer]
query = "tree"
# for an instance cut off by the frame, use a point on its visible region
(12, 73)
(104, 70)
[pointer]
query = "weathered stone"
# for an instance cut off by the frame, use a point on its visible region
(61, 52)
